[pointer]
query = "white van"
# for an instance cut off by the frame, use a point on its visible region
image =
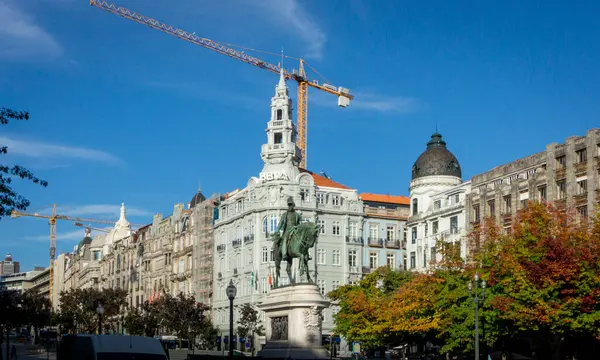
(110, 347)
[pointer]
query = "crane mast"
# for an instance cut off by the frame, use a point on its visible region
(299, 76)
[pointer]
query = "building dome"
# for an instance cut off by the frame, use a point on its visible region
(436, 160)
(8, 257)
(197, 199)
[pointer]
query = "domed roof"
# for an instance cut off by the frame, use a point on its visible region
(8, 257)
(436, 160)
(197, 199)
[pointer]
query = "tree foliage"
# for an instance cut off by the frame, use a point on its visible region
(143, 320)
(543, 281)
(78, 309)
(248, 323)
(9, 198)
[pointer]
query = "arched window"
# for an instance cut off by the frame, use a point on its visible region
(279, 114)
(118, 262)
(415, 206)
(265, 229)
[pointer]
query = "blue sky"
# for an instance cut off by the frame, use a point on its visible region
(124, 113)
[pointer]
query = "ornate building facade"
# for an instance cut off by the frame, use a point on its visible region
(247, 217)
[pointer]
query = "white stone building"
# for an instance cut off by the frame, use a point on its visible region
(437, 200)
(247, 217)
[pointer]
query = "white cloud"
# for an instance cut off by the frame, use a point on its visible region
(76, 234)
(36, 149)
(21, 37)
(292, 16)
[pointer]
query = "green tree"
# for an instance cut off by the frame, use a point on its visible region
(248, 324)
(184, 317)
(78, 309)
(9, 198)
(143, 320)
(35, 310)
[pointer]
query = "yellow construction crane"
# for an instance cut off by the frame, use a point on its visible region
(52, 222)
(299, 75)
(78, 224)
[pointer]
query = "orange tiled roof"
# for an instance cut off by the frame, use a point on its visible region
(390, 199)
(325, 182)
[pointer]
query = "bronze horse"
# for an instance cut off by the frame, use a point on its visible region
(303, 238)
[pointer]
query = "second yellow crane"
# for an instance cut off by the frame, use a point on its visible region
(299, 75)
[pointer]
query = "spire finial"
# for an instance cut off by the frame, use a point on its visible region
(199, 188)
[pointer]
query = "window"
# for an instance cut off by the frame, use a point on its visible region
(373, 260)
(304, 194)
(433, 254)
(321, 254)
(336, 228)
(271, 254)
(507, 204)
(320, 198)
(582, 210)
(434, 227)
(335, 284)
(413, 260)
(426, 229)
(279, 114)
(415, 206)
(336, 257)
(414, 235)
(390, 260)
(561, 162)
(454, 224)
(581, 155)
(492, 207)
(390, 233)
(524, 198)
(265, 254)
(437, 204)
(335, 200)
(182, 266)
(373, 231)
(542, 192)
(322, 289)
(118, 262)
(424, 259)
(582, 187)
(263, 285)
(561, 187)
(321, 223)
(352, 258)
(476, 213)
(454, 199)
(265, 228)
(273, 224)
(353, 229)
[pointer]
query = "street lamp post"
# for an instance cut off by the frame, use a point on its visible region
(477, 300)
(100, 312)
(231, 292)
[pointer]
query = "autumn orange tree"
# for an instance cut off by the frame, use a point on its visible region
(360, 315)
(544, 275)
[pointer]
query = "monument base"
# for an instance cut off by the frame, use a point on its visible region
(294, 320)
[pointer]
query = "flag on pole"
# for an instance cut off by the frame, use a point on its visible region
(270, 280)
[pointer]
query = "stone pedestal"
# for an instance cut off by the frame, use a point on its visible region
(294, 318)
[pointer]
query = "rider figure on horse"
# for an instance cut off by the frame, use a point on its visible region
(288, 227)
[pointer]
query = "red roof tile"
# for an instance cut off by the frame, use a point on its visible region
(389, 199)
(325, 182)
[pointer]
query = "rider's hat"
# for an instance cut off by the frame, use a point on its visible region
(290, 200)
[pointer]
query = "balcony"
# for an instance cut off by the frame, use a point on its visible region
(249, 239)
(560, 173)
(392, 244)
(581, 168)
(398, 213)
(221, 248)
(236, 243)
(354, 270)
(580, 198)
(354, 240)
(367, 269)
(375, 242)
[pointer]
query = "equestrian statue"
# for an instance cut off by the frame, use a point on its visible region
(293, 239)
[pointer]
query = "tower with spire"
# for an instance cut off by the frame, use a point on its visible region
(280, 154)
